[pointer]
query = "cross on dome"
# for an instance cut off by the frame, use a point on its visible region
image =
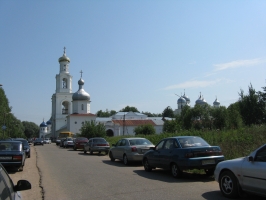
(81, 73)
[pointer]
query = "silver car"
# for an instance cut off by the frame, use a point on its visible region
(96, 144)
(130, 149)
(247, 174)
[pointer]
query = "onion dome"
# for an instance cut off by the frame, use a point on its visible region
(181, 100)
(64, 57)
(48, 122)
(216, 102)
(199, 100)
(203, 101)
(43, 124)
(81, 94)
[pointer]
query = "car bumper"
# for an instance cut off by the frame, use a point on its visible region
(135, 157)
(100, 148)
(200, 163)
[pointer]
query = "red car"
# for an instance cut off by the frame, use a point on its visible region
(79, 143)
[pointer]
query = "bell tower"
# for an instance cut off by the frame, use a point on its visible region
(62, 98)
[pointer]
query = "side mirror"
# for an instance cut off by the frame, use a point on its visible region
(152, 148)
(250, 159)
(22, 185)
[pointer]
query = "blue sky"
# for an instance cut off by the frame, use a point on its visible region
(136, 53)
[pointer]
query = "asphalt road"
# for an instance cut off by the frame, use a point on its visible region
(65, 174)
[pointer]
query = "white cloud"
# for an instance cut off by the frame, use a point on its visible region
(239, 63)
(192, 84)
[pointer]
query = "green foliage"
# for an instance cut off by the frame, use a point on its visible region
(171, 126)
(128, 109)
(252, 107)
(92, 129)
(168, 112)
(31, 129)
(234, 119)
(106, 113)
(146, 129)
(151, 114)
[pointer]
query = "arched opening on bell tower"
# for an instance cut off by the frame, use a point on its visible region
(65, 107)
(109, 133)
(64, 83)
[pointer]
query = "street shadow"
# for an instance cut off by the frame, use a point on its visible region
(94, 154)
(218, 195)
(119, 163)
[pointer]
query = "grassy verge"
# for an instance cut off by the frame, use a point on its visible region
(234, 143)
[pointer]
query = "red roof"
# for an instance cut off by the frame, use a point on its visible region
(134, 122)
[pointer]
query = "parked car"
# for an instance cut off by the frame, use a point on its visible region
(79, 143)
(47, 141)
(58, 141)
(97, 144)
(183, 153)
(130, 149)
(68, 142)
(38, 141)
(30, 140)
(12, 154)
(62, 142)
(7, 189)
(26, 145)
(246, 174)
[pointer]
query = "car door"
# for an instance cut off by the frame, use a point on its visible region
(154, 157)
(121, 148)
(6, 185)
(254, 172)
(115, 149)
(166, 153)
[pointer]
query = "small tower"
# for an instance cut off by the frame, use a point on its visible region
(81, 99)
(43, 130)
(216, 103)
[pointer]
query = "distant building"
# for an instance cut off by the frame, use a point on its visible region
(185, 101)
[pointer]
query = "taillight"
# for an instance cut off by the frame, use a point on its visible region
(189, 155)
(134, 149)
(17, 157)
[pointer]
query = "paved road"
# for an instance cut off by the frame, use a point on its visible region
(65, 174)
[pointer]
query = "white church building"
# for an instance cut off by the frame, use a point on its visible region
(70, 110)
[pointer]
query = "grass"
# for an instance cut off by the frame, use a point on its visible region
(234, 143)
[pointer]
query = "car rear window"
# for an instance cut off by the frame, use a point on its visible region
(99, 140)
(139, 142)
(6, 146)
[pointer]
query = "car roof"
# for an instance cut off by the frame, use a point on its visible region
(133, 138)
(10, 141)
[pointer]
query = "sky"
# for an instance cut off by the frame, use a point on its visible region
(138, 53)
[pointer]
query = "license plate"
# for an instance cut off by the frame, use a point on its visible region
(5, 158)
(208, 162)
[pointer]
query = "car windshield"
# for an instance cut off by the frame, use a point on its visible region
(139, 142)
(192, 142)
(8, 146)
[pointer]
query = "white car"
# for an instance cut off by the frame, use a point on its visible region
(247, 174)
(47, 141)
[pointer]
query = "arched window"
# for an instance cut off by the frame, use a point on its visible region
(82, 107)
(65, 105)
(64, 83)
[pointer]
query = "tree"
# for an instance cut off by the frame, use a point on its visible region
(106, 113)
(234, 119)
(92, 129)
(251, 106)
(219, 117)
(146, 129)
(128, 109)
(31, 129)
(171, 126)
(168, 112)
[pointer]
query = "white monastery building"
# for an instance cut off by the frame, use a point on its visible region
(71, 110)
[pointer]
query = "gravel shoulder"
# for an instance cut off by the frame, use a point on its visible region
(31, 173)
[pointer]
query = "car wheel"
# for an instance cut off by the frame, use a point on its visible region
(75, 148)
(176, 172)
(228, 184)
(111, 156)
(146, 165)
(29, 156)
(91, 152)
(209, 172)
(125, 160)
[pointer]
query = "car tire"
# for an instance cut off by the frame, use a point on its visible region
(125, 159)
(146, 165)
(91, 152)
(29, 156)
(75, 149)
(209, 172)
(228, 184)
(176, 172)
(111, 156)
(85, 151)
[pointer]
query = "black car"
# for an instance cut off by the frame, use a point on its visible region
(12, 154)
(38, 141)
(183, 153)
(26, 145)
(7, 189)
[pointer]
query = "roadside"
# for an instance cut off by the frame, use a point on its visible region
(31, 173)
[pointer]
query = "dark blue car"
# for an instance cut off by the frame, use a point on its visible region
(183, 153)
